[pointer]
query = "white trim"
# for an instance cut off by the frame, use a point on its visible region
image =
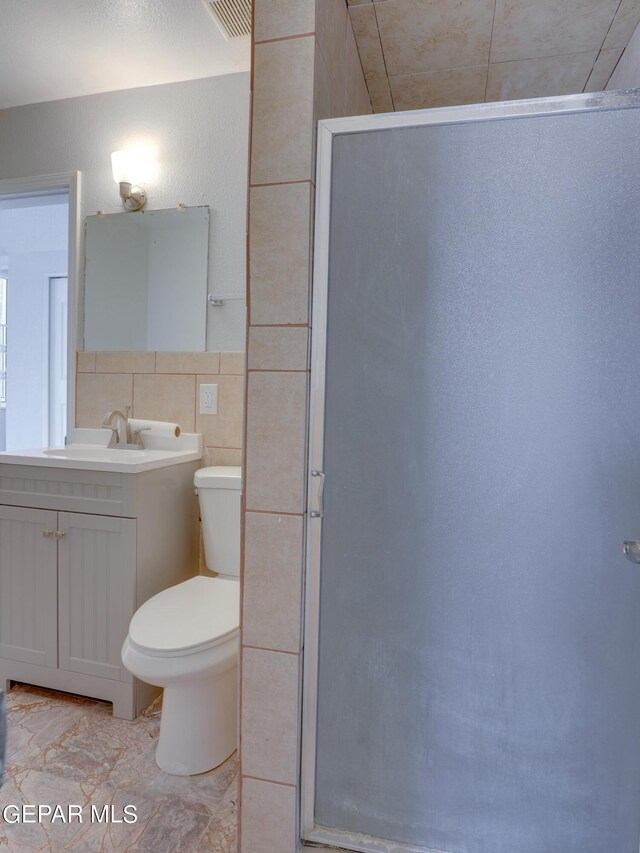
(37, 185)
(73, 319)
(69, 182)
(327, 129)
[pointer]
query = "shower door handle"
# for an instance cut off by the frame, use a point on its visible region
(631, 550)
(319, 513)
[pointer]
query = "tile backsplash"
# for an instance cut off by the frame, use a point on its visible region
(164, 386)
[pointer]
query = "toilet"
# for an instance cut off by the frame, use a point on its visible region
(186, 639)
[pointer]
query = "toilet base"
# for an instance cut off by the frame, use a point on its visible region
(198, 726)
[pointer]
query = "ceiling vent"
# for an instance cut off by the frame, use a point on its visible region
(233, 17)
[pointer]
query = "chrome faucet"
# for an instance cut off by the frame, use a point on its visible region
(120, 428)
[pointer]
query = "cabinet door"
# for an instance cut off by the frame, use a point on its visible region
(96, 566)
(28, 586)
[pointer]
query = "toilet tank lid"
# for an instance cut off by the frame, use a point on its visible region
(219, 477)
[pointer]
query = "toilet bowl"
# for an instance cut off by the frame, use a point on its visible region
(186, 640)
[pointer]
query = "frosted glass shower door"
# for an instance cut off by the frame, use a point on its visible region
(478, 662)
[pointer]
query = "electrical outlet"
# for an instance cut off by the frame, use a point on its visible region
(208, 399)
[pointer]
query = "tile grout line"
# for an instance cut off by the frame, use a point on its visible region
(284, 38)
(614, 67)
(269, 781)
(493, 23)
(591, 70)
(276, 512)
(277, 370)
(606, 35)
(269, 649)
(384, 59)
(610, 27)
(282, 183)
(487, 65)
(196, 401)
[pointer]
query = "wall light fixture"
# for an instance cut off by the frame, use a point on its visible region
(124, 166)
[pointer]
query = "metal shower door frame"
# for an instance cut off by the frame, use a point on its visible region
(327, 130)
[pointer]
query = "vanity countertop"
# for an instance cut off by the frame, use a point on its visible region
(88, 451)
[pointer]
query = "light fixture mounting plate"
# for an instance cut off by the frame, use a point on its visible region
(135, 200)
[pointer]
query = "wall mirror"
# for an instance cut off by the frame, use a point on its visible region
(146, 280)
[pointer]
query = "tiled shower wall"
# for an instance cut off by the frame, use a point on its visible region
(164, 386)
(305, 67)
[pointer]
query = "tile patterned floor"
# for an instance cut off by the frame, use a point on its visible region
(66, 750)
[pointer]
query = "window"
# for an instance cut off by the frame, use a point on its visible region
(3, 341)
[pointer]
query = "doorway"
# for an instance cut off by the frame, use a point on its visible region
(37, 301)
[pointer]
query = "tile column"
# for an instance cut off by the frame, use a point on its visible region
(305, 67)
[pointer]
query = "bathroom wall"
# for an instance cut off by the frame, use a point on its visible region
(305, 67)
(164, 386)
(198, 133)
(626, 74)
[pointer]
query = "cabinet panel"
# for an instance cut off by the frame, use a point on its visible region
(28, 586)
(96, 565)
(68, 490)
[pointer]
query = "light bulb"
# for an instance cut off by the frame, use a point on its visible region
(122, 167)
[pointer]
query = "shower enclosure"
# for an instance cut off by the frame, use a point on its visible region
(472, 650)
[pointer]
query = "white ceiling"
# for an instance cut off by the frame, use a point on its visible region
(434, 53)
(52, 49)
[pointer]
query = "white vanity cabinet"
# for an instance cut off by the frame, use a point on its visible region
(86, 564)
(80, 551)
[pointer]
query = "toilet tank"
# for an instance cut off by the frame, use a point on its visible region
(219, 492)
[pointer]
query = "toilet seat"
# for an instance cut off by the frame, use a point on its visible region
(187, 618)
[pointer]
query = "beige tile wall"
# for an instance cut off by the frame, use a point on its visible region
(305, 67)
(418, 54)
(164, 386)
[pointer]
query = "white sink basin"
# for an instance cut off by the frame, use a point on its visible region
(99, 454)
(90, 453)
